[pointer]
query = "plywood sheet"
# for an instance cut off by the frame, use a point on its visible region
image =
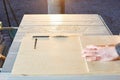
(81, 22)
(83, 30)
(97, 66)
(52, 56)
(86, 24)
(58, 18)
(64, 19)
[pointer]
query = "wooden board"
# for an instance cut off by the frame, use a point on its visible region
(52, 56)
(62, 56)
(32, 19)
(97, 66)
(83, 30)
(85, 24)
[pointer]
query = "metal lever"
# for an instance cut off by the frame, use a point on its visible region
(8, 28)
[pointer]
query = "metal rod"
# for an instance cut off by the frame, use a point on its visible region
(8, 28)
(41, 36)
(35, 44)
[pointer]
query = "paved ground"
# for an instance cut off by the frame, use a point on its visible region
(108, 9)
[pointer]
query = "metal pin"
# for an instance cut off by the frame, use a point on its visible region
(35, 44)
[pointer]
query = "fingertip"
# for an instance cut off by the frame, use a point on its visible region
(89, 60)
(91, 47)
(83, 55)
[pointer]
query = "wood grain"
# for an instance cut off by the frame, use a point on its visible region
(52, 56)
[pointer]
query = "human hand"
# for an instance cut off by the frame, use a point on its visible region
(98, 53)
(2, 57)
